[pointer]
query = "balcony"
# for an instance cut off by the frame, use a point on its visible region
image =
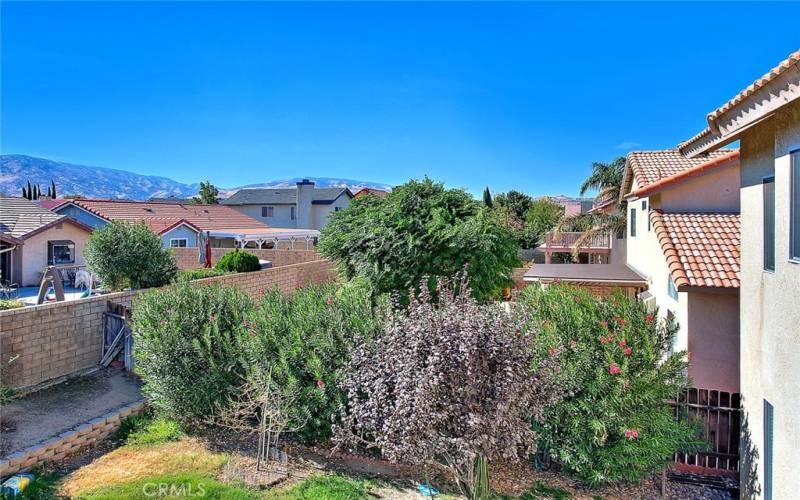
(597, 248)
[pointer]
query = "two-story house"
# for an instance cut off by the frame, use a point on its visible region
(301, 207)
(683, 238)
(765, 119)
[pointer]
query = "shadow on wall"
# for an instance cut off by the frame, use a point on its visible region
(748, 463)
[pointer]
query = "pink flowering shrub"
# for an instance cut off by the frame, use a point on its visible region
(616, 367)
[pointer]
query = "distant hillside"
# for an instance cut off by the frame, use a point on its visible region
(90, 182)
(102, 182)
(321, 182)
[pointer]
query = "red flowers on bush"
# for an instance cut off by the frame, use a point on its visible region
(628, 351)
(632, 434)
(329, 301)
(649, 318)
(552, 351)
(320, 384)
(613, 369)
(622, 343)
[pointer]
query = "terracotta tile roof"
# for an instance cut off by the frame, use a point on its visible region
(21, 218)
(162, 215)
(51, 203)
(701, 249)
(651, 166)
(793, 59)
(719, 161)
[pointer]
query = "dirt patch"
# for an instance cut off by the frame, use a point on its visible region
(48, 412)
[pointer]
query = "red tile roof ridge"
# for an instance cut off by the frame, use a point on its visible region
(720, 161)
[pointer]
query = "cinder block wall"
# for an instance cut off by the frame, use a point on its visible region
(188, 258)
(55, 340)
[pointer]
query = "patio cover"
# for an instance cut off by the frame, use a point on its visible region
(245, 235)
(616, 274)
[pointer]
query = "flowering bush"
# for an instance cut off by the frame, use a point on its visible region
(307, 338)
(450, 381)
(190, 344)
(614, 361)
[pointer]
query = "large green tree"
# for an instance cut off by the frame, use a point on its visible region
(421, 229)
(208, 195)
(516, 201)
(123, 254)
(541, 217)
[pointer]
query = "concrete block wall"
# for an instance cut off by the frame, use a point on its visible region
(59, 446)
(187, 258)
(52, 341)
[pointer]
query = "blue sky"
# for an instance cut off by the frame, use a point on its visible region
(513, 95)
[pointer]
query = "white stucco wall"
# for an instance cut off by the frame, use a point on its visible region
(282, 215)
(645, 255)
(319, 213)
(34, 250)
(770, 310)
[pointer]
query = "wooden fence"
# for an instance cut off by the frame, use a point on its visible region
(720, 414)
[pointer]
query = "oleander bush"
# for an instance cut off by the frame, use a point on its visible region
(191, 345)
(197, 274)
(616, 366)
(307, 338)
(238, 262)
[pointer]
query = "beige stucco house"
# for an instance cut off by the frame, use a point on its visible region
(765, 118)
(683, 237)
(31, 238)
(302, 207)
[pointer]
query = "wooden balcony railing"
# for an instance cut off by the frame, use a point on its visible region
(568, 240)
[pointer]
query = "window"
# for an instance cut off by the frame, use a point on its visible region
(672, 290)
(794, 201)
(768, 431)
(179, 242)
(336, 209)
(267, 211)
(769, 224)
(294, 213)
(60, 252)
(644, 205)
(633, 222)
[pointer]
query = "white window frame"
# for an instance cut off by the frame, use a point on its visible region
(173, 241)
(267, 212)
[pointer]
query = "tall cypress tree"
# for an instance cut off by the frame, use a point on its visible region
(53, 188)
(487, 198)
(24, 192)
(30, 190)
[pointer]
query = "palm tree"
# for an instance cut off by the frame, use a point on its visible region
(606, 179)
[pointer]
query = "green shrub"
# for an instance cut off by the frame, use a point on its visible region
(421, 230)
(238, 262)
(11, 304)
(197, 274)
(122, 254)
(614, 360)
(190, 347)
(307, 338)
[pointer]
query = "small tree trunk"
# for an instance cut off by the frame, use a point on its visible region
(480, 479)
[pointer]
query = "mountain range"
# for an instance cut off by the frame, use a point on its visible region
(103, 182)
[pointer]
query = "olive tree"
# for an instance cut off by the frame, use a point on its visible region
(452, 382)
(124, 254)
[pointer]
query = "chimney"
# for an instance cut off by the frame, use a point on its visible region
(305, 195)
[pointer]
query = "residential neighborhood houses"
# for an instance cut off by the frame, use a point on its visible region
(712, 243)
(303, 207)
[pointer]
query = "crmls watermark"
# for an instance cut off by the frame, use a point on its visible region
(160, 490)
